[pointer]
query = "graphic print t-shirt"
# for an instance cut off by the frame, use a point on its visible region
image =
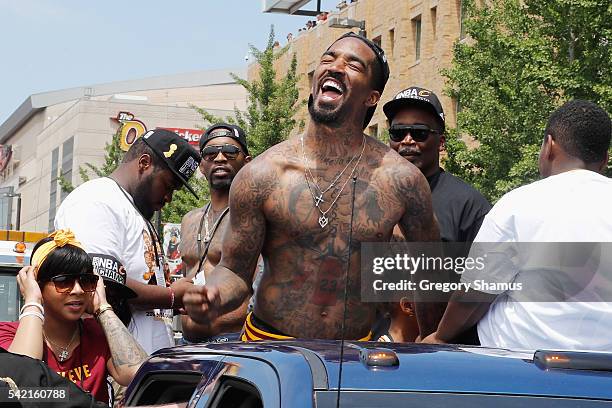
(86, 366)
(106, 222)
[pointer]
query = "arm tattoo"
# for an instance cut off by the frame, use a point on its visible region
(244, 235)
(125, 350)
(418, 223)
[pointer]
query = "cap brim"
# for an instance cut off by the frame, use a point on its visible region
(185, 183)
(390, 108)
(123, 290)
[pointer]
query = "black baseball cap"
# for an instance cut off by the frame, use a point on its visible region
(233, 131)
(180, 157)
(113, 273)
(415, 96)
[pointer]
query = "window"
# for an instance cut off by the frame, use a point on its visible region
(391, 42)
(9, 295)
(461, 19)
(165, 388)
(416, 33)
(310, 79)
(236, 393)
(67, 155)
(457, 105)
(377, 41)
(53, 187)
(6, 208)
(434, 20)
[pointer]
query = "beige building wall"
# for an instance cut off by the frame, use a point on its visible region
(88, 123)
(394, 24)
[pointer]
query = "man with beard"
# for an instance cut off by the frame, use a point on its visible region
(111, 216)
(294, 205)
(224, 152)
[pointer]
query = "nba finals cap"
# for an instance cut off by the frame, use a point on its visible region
(225, 130)
(415, 96)
(113, 274)
(180, 157)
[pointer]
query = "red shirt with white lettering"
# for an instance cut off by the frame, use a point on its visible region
(86, 366)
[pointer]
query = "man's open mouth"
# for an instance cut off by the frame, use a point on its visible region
(331, 89)
(221, 171)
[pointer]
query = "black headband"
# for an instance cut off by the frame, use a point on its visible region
(378, 52)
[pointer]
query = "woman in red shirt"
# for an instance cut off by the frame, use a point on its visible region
(82, 350)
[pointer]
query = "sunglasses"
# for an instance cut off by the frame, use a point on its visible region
(419, 133)
(231, 152)
(65, 283)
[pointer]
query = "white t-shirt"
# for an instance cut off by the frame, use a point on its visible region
(105, 222)
(574, 206)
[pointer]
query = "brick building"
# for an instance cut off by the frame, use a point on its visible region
(417, 36)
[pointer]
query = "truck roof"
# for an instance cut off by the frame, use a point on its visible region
(422, 367)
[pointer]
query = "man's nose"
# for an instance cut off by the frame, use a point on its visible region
(220, 157)
(408, 140)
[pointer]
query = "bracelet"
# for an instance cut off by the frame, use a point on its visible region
(35, 304)
(102, 309)
(32, 313)
(171, 297)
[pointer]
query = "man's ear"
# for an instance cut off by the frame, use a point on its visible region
(406, 306)
(145, 162)
(247, 159)
(373, 99)
(442, 143)
(548, 147)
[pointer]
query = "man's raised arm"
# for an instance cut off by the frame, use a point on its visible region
(230, 281)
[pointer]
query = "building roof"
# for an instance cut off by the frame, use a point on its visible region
(39, 101)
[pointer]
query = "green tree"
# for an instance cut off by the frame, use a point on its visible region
(272, 102)
(521, 60)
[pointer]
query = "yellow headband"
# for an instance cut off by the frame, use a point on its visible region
(60, 239)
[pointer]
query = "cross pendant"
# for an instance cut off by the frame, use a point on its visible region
(323, 220)
(319, 200)
(63, 355)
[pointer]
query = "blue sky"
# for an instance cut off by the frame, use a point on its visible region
(55, 44)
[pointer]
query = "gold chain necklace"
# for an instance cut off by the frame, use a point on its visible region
(318, 199)
(63, 355)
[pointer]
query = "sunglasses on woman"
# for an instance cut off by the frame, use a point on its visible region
(231, 152)
(419, 133)
(65, 283)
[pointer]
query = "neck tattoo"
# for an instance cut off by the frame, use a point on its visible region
(317, 192)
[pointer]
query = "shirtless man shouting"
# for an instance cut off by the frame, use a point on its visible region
(293, 205)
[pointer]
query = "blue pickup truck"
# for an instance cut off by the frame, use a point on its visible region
(302, 374)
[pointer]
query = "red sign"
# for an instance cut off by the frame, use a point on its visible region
(191, 135)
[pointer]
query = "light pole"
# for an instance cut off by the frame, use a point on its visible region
(18, 220)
